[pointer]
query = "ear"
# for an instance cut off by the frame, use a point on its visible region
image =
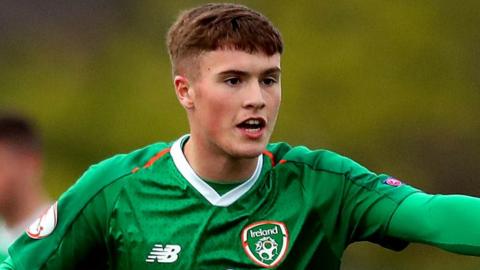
(183, 91)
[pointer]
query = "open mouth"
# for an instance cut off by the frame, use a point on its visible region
(252, 124)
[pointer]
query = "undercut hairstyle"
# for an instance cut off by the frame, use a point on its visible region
(19, 132)
(220, 26)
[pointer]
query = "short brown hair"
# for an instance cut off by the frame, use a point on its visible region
(221, 26)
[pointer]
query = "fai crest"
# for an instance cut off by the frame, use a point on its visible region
(44, 225)
(265, 242)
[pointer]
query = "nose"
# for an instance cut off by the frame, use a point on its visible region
(254, 97)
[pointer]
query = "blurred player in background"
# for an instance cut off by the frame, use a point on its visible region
(22, 198)
(223, 197)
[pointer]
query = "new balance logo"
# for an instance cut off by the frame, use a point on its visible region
(167, 254)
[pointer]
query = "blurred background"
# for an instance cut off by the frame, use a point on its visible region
(394, 85)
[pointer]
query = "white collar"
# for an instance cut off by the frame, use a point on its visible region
(202, 187)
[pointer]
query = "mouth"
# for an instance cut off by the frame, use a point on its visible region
(253, 125)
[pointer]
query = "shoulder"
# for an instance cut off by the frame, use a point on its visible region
(123, 164)
(97, 180)
(314, 166)
(318, 159)
(117, 167)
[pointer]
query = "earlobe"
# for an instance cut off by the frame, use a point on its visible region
(183, 91)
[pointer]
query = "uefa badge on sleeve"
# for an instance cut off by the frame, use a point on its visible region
(265, 242)
(393, 182)
(44, 225)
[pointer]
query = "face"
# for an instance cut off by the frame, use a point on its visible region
(233, 102)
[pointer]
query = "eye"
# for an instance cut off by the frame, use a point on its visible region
(269, 81)
(232, 81)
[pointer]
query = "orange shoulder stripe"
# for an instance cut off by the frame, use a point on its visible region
(156, 157)
(270, 155)
(152, 160)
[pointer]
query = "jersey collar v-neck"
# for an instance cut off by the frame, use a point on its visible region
(202, 187)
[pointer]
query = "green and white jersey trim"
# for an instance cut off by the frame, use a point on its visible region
(202, 187)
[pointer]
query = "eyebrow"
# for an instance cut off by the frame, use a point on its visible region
(274, 70)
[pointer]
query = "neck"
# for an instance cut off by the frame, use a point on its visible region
(218, 166)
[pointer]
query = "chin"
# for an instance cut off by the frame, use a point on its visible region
(249, 155)
(248, 151)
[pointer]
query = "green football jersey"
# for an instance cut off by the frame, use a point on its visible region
(149, 210)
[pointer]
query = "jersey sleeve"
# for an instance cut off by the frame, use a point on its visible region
(2, 256)
(80, 245)
(449, 222)
(369, 203)
(77, 240)
(7, 264)
(78, 234)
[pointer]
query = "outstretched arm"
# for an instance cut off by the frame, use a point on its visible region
(450, 222)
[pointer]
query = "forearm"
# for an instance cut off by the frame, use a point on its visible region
(450, 222)
(7, 264)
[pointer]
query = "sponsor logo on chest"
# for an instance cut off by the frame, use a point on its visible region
(265, 242)
(163, 254)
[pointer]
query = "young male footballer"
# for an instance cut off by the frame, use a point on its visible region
(222, 197)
